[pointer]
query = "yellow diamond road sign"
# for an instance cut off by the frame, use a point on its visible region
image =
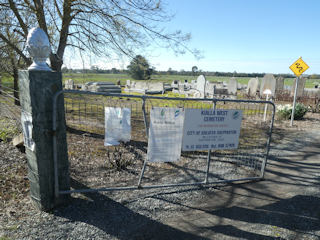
(298, 67)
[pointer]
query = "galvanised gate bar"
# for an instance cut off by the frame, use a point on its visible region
(127, 162)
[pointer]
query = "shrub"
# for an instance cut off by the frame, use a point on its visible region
(284, 111)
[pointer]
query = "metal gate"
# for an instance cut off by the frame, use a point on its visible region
(125, 167)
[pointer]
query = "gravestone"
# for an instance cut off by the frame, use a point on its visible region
(201, 85)
(312, 92)
(232, 86)
(69, 84)
(181, 88)
(155, 88)
(140, 87)
(211, 89)
(280, 84)
(193, 84)
(300, 90)
(253, 86)
(107, 87)
(268, 82)
(175, 84)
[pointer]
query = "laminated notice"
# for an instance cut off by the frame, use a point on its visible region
(165, 134)
(117, 125)
(27, 127)
(206, 129)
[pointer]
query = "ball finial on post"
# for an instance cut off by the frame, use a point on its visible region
(38, 46)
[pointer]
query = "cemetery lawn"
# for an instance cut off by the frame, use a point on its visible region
(80, 78)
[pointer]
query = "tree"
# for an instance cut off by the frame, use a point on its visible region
(102, 27)
(10, 62)
(139, 68)
(194, 70)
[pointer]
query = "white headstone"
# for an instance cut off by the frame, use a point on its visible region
(280, 83)
(268, 82)
(253, 86)
(141, 85)
(232, 86)
(69, 84)
(201, 84)
(158, 86)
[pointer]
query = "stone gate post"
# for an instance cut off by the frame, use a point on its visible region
(37, 86)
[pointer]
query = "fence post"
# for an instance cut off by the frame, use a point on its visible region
(206, 180)
(37, 89)
(147, 134)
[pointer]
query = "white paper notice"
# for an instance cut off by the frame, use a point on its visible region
(165, 134)
(117, 125)
(26, 121)
(206, 129)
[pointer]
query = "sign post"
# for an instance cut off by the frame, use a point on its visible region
(298, 67)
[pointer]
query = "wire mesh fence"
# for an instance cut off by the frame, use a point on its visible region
(9, 110)
(125, 166)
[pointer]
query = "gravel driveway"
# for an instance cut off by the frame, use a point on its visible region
(284, 206)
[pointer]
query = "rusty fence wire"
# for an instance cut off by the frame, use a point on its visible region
(125, 167)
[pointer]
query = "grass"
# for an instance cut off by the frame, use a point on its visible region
(6, 80)
(7, 130)
(81, 78)
(89, 77)
(4, 238)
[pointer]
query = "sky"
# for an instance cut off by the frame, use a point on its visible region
(264, 36)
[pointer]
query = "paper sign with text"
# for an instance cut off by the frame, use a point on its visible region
(117, 125)
(206, 129)
(165, 134)
(27, 129)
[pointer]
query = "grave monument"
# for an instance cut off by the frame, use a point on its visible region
(253, 86)
(301, 84)
(201, 85)
(268, 82)
(232, 86)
